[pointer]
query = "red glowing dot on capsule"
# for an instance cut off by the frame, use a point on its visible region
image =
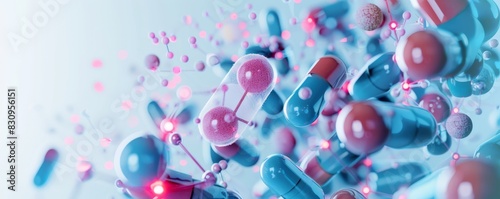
(393, 25)
(157, 187)
(406, 86)
(168, 125)
(455, 110)
(367, 162)
(366, 190)
(325, 144)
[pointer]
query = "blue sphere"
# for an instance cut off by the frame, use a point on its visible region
(141, 159)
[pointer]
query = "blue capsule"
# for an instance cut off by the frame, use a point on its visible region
(240, 151)
(47, 167)
(489, 149)
(186, 114)
(376, 78)
(270, 21)
(330, 161)
(273, 104)
(286, 179)
(156, 113)
(459, 87)
(441, 143)
(302, 108)
(374, 47)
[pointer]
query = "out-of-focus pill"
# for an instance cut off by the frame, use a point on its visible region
(441, 143)
(488, 15)
(332, 158)
(186, 115)
(47, 167)
(430, 53)
(270, 21)
(321, 18)
(286, 179)
(240, 151)
(446, 15)
(156, 113)
(302, 108)
(390, 180)
(238, 98)
(490, 149)
(273, 104)
(365, 127)
(376, 77)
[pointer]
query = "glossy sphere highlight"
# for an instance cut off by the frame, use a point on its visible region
(471, 179)
(255, 75)
(286, 179)
(421, 55)
(369, 17)
(140, 159)
(361, 128)
(459, 125)
(219, 124)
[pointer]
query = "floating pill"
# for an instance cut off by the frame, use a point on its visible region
(302, 108)
(47, 167)
(240, 151)
(286, 179)
(238, 98)
(376, 77)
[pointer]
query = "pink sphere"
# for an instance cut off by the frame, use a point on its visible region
(152, 62)
(255, 73)
(220, 126)
(369, 17)
(437, 105)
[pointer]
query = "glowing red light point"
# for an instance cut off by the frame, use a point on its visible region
(325, 144)
(393, 25)
(168, 125)
(455, 110)
(366, 190)
(406, 86)
(157, 187)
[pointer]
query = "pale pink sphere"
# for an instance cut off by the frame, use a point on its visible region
(255, 74)
(220, 125)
